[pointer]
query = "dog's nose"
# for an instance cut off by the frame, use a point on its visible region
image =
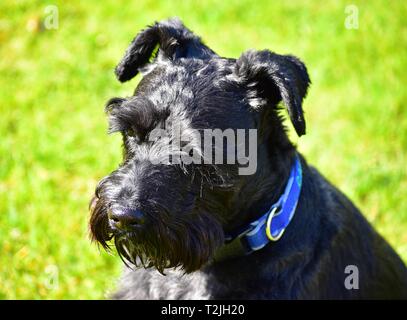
(126, 218)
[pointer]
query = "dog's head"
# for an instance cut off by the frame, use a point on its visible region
(192, 119)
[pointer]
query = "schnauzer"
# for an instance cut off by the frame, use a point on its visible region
(202, 229)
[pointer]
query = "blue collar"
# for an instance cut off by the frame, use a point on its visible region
(272, 224)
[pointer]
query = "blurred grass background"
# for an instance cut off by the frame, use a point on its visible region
(53, 141)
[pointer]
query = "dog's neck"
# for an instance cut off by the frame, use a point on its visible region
(251, 236)
(294, 244)
(264, 188)
(275, 157)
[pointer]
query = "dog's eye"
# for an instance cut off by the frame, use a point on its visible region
(131, 132)
(134, 135)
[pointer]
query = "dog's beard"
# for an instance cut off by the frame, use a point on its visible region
(100, 230)
(187, 243)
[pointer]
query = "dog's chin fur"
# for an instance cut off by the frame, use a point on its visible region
(188, 244)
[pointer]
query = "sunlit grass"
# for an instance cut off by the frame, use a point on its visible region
(54, 147)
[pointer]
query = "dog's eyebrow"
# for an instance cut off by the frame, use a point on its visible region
(136, 112)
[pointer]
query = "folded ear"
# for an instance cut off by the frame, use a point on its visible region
(277, 77)
(174, 41)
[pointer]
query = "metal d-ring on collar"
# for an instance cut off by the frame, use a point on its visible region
(272, 214)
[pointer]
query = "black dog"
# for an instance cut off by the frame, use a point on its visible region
(206, 230)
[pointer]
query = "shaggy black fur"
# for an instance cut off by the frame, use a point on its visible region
(184, 210)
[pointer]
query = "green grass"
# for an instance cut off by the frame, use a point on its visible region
(53, 142)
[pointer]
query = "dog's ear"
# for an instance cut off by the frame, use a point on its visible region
(276, 77)
(174, 41)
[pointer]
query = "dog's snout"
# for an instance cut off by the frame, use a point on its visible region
(126, 218)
